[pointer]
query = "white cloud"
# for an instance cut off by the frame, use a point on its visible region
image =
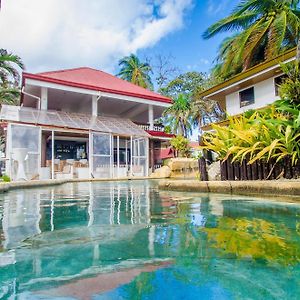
(53, 34)
(215, 7)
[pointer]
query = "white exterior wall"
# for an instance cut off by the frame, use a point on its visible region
(264, 94)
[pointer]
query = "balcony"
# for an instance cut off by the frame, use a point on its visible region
(146, 127)
(158, 131)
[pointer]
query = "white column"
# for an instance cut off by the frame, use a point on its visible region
(52, 154)
(131, 155)
(95, 105)
(91, 157)
(150, 117)
(147, 157)
(44, 98)
(118, 156)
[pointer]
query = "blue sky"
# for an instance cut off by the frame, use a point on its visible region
(190, 50)
(55, 34)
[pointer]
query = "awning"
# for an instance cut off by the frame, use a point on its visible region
(71, 120)
(166, 153)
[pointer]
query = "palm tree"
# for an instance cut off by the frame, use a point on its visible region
(9, 77)
(178, 117)
(204, 111)
(264, 29)
(135, 71)
(8, 64)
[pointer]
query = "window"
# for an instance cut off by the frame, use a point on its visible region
(278, 81)
(247, 97)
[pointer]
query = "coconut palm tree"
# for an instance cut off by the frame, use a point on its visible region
(135, 71)
(264, 29)
(178, 116)
(9, 77)
(8, 64)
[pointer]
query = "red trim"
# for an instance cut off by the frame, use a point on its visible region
(160, 134)
(44, 78)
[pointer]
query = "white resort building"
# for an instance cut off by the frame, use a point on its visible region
(254, 88)
(82, 123)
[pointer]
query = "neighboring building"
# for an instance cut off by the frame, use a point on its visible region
(254, 88)
(82, 123)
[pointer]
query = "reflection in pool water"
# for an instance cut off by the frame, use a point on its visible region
(120, 240)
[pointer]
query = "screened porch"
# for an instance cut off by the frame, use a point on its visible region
(60, 145)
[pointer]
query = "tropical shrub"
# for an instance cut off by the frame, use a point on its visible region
(263, 135)
(290, 88)
(5, 178)
(181, 145)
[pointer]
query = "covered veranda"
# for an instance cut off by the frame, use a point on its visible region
(59, 145)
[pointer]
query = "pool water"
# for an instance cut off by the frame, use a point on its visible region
(128, 240)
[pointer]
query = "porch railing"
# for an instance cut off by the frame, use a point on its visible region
(159, 128)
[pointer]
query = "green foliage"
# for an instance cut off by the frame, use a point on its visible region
(5, 178)
(181, 145)
(188, 84)
(264, 135)
(262, 30)
(189, 109)
(289, 90)
(8, 64)
(9, 77)
(135, 71)
(9, 94)
(177, 117)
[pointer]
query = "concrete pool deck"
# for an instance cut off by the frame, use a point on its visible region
(274, 188)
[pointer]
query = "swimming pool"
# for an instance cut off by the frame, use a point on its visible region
(128, 240)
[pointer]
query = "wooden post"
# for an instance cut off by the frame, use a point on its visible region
(288, 172)
(230, 169)
(249, 171)
(260, 170)
(296, 170)
(237, 170)
(202, 169)
(151, 155)
(254, 171)
(265, 168)
(244, 170)
(223, 166)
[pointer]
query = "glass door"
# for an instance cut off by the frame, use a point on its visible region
(139, 157)
(24, 152)
(102, 155)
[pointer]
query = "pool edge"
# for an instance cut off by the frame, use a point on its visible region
(7, 186)
(272, 188)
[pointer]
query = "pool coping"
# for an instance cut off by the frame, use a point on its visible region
(271, 188)
(7, 186)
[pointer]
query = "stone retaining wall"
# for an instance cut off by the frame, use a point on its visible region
(274, 188)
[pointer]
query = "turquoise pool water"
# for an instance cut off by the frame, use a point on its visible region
(120, 240)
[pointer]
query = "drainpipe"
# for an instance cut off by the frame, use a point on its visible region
(33, 96)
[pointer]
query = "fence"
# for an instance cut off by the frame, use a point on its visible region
(259, 170)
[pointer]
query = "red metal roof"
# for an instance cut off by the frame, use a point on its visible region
(166, 153)
(93, 79)
(160, 134)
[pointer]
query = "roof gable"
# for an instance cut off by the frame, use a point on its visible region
(93, 79)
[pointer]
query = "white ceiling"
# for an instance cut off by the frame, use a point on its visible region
(82, 103)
